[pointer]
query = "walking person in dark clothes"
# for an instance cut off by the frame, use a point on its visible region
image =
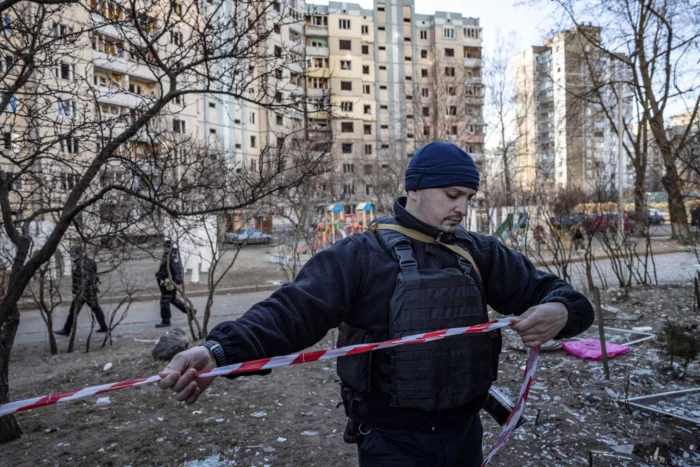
(417, 271)
(169, 277)
(85, 291)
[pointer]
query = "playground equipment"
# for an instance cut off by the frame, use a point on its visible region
(338, 225)
(510, 229)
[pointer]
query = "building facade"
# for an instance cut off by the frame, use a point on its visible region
(564, 135)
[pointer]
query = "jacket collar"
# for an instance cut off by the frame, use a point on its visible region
(406, 219)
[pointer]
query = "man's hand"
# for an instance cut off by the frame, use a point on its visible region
(180, 372)
(541, 323)
(178, 286)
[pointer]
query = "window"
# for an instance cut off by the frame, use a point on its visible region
(345, 44)
(346, 106)
(449, 71)
(453, 130)
(382, 87)
(424, 92)
(65, 108)
(278, 51)
(176, 38)
(365, 29)
(381, 28)
(381, 47)
(423, 53)
(135, 89)
(424, 35)
(368, 110)
(424, 73)
(252, 143)
(280, 120)
(278, 74)
(345, 65)
(426, 111)
(347, 127)
(61, 30)
(65, 71)
(451, 110)
(382, 67)
(451, 91)
(346, 85)
(449, 52)
(344, 23)
(212, 104)
(365, 50)
(69, 145)
(7, 140)
(178, 126)
(426, 130)
(365, 69)
(368, 151)
(278, 97)
(383, 107)
(368, 129)
(408, 58)
(368, 189)
(179, 99)
(317, 83)
(448, 33)
(177, 9)
(366, 89)
(347, 149)
(252, 118)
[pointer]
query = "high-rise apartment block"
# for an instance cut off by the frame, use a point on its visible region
(394, 80)
(564, 137)
(397, 80)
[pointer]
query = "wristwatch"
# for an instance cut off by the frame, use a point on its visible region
(217, 352)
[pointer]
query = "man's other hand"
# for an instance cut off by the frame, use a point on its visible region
(541, 323)
(180, 373)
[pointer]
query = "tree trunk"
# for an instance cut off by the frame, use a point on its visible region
(52, 339)
(9, 429)
(676, 206)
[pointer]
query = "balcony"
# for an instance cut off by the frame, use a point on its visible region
(313, 51)
(470, 42)
(104, 27)
(317, 92)
(297, 26)
(122, 65)
(115, 96)
(316, 31)
(474, 100)
(472, 62)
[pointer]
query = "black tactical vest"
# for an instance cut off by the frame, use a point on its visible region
(430, 376)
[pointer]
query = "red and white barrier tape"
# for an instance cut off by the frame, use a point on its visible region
(275, 362)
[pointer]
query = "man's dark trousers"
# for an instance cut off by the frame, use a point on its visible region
(395, 448)
(77, 304)
(166, 298)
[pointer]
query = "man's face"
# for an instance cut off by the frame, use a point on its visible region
(166, 250)
(443, 208)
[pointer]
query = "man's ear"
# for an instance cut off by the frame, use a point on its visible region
(413, 195)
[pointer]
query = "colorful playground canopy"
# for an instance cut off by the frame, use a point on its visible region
(366, 206)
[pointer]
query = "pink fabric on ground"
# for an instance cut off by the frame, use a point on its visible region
(590, 348)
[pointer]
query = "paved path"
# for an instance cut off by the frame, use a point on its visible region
(676, 267)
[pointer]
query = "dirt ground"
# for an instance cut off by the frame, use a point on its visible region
(290, 417)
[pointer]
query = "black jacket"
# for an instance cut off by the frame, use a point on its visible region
(353, 282)
(175, 267)
(84, 273)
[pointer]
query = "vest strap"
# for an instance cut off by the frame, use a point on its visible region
(421, 237)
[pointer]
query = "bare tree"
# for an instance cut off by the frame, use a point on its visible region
(100, 103)
(656, 40)
(500, 115)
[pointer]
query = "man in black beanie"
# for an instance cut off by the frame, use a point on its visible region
(417, 271)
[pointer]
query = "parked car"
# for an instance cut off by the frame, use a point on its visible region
(567, 221)
(654, 217)
(247, 237)
(609, 221)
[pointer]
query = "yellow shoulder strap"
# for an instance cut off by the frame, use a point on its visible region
(421, 237)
